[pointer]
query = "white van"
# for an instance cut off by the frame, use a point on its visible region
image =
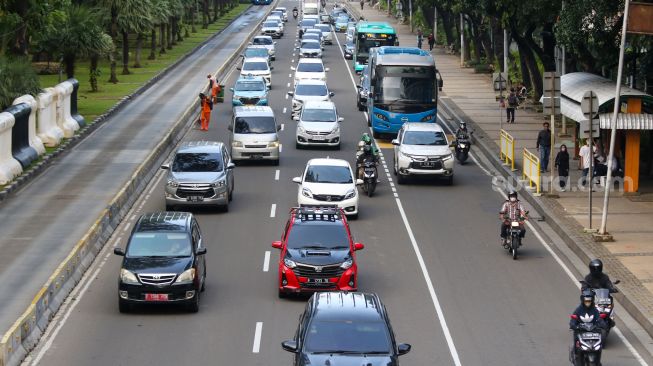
(254, 134)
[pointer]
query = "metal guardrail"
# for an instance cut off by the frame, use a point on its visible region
(531, 170)
(507, 144)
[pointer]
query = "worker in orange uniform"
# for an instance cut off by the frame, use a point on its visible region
(214, 86)
(205, 116)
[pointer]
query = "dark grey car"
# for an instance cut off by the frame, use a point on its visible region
(200, 174)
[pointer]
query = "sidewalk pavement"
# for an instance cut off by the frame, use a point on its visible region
(630, 256)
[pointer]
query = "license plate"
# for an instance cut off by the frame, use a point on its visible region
(369, 170)
(256, 156)
(156, 297)
(592, 336)
(515, 224)
(195, 198)
(318, 280)
(318, 137)
(428, 164)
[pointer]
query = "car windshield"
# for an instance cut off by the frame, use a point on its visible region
(307, 23)
(328, 174)
(250, 86)
(323, 28)
(311, 45)
(318, 234)
(263, 41)
(311, 90)
(272, 24)
(255, 66)
(342, 20)
(347, 335)
(159, 244)
(424, 138)
(255, 125)
(318, 115)
(197, 162)
(256, 52)
(310, 67)
(315, 37)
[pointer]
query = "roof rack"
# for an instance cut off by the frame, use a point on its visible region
(321, 212)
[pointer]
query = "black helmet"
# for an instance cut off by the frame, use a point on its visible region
(367, 149)
(512, 193)
(596, 267)
(587, 298)
(463, 125)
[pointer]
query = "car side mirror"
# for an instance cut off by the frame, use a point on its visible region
(239, 68)
(395, 142)
(403, 348)
(370, 95)
(296, 118)
(230, 166)
(232, 89)
(278, 128)
(290, 346)
(359, 87)
(201, 251)
(331, 94)
(274, 43)
(340, 119)
(276, 244)
(250, 43)
(297, 180)
(271, 67)
(119, 251)
(359, 246)
(617, 282)
(291, 93)
(165, 166)
(326, 69)
(359, 182)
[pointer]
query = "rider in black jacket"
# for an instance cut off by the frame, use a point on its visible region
(585, 313)
(597, 279)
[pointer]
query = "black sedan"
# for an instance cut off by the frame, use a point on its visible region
(348, 50)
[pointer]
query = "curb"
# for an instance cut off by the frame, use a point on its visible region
(68, 144)
(25, 333)
(581, 244)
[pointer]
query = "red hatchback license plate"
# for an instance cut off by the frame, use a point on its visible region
(318, 280)
(156, 297)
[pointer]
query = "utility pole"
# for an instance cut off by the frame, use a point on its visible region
(590, 128)
(462, 40)
(410, 12)
(435, 23)
(506, 49)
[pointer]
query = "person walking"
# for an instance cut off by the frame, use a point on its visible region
(431, 41)
(585, 156)
(420, 38)
(362, 4)
(214, 87)
(513, 102)
(544, 146)
(562, 163)
(205, 115)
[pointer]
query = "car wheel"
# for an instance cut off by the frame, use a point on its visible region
(282, 294)
(124, 306)
(353, 217)
(194, 305)
(203, 282)
(450, 180)
(298, 146)
(275, 162)
(170, 208)
(401, 179)
(394, 167)
(225, 207)
(360, 107)
(337, 147)
(231, 195)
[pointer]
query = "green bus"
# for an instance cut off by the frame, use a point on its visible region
(368, 35)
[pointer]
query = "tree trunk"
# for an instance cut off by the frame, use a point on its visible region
(139, 48)
(173, 27)
(162, 38)
(125, 53)
(217, 9)
(545, 54)
(69, 62)
(169, 35)
(94, 73)
(447, 26)
(180, 38)
(113, 77)
(193, 20)
(205, 14)
(475, 38)
(152, 44)
(497, 36)
(528, 61)
(20, 42)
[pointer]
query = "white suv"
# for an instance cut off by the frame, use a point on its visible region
(422, 149)
(306, 90)
(329, 182)
(310, 68)
(318, 125)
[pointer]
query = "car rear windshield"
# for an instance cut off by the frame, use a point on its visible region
(272, 24)
(311, 45)
(263, 41)
(347, 335)
(311, 90)
(256, 52)
(197, 162)
(308, 23)
(310, 67)
(159, 244)
(250, 86)
(318, 115)
(424, 138)
(255, 66)
(318, 234)
(255, 125)
(328, 174)
(323, 27)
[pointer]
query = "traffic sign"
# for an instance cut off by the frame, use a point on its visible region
(585, 128)
(499, 80)
(589, 105)
(552, 83)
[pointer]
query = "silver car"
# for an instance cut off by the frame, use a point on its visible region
(254, 134)
(310, 48)
(200, 174)
(267, 42)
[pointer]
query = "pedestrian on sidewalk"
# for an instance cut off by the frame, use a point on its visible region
(513, 102)
(431, 41)
(562, 163)
(205, 115)
(420, 38)
(544, 146)
(362, 4)
(585, 156)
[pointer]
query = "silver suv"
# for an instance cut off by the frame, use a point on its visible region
(200, 174)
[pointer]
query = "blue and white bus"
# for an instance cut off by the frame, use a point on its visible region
(404, 85)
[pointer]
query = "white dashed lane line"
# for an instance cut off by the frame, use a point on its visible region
(256, 347)
(273, 210)
(276, 174)
(266, 261)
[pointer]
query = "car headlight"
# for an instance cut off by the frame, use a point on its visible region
(350, 194)
(301, 129)
(128, 277)
(447, 157)
(347, 264)
(236, 144)
(427, 118)
(335, 129)
(408, 156)
(186, 276)
(307, 192)
(381, 117)
(172, 183)
(273, 144)
(220, 183)
(289, 263)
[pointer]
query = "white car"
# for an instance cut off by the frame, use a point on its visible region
(327, 36)
(274, 17)
(257, 66)
(267, 42)
(272, 28)
(307, 90)
(422, 149)
(310, 69)
(310, 48)
(329, 182)
(318, 125)
(315, 31)
(284, 11)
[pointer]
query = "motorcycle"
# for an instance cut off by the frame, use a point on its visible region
(462, 150)
(295, 13)
(604, 303)
(588, 344)
(369, 177)
(513, 241)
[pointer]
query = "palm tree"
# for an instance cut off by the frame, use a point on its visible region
(134, 17)
(159, 14)
(17, 77)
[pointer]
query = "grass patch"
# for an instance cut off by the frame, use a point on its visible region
(91, 105)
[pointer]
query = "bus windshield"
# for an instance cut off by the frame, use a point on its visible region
(405, 84)
(365, 43)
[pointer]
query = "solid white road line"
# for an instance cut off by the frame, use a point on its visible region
(266, 261)
(420, 259)
(273, 210)
(256, 347)
(276, 174)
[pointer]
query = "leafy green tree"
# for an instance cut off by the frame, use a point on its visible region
(134, 17)
(17, 77)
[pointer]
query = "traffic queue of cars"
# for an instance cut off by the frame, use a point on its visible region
(164, 260)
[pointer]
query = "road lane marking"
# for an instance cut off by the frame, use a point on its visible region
(266, 261)
(282, 126)
(284, 110)
(273, 210)
(288, 86)
(280, 147)
(132, 217)
(276, 174)
(289, 75)
(256, 347)
(286, 96)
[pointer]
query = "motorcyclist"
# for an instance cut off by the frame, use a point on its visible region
(512, 210)
(461, 132)
(596, 278)
(585, 313)
(367, 139)
(366, 155)
(295, 12)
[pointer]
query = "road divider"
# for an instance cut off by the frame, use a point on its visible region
(507, 145)
(531, 170)
(9, 167)
(48, 130)
(24, 334)
(34, 141)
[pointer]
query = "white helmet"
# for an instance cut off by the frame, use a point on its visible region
(361, 144)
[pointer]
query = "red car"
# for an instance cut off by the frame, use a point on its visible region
(317, 252)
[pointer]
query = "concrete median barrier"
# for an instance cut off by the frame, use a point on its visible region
(16, 343)
(34, 141)
(46, 117)
(74, 113)
(64, 120)
(20, 147)
(9, 167)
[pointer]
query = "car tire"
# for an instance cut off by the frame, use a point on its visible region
(282, 294)
(337, 147)
(353, 217)
(231, 195)
(401, 179)
(203, 288)
(298, 146)
(194, 305)
(123, 306)
(170, 208)
(225, 207)
(275, 162)
(450, 180)
(394, 167)
(361, 108)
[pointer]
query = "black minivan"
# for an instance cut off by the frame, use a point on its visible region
(163, 262)
(345, 328)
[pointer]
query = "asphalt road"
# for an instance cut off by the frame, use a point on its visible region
(427, 236)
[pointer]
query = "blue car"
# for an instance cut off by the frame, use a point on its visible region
(249, 90)
(341, 23)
